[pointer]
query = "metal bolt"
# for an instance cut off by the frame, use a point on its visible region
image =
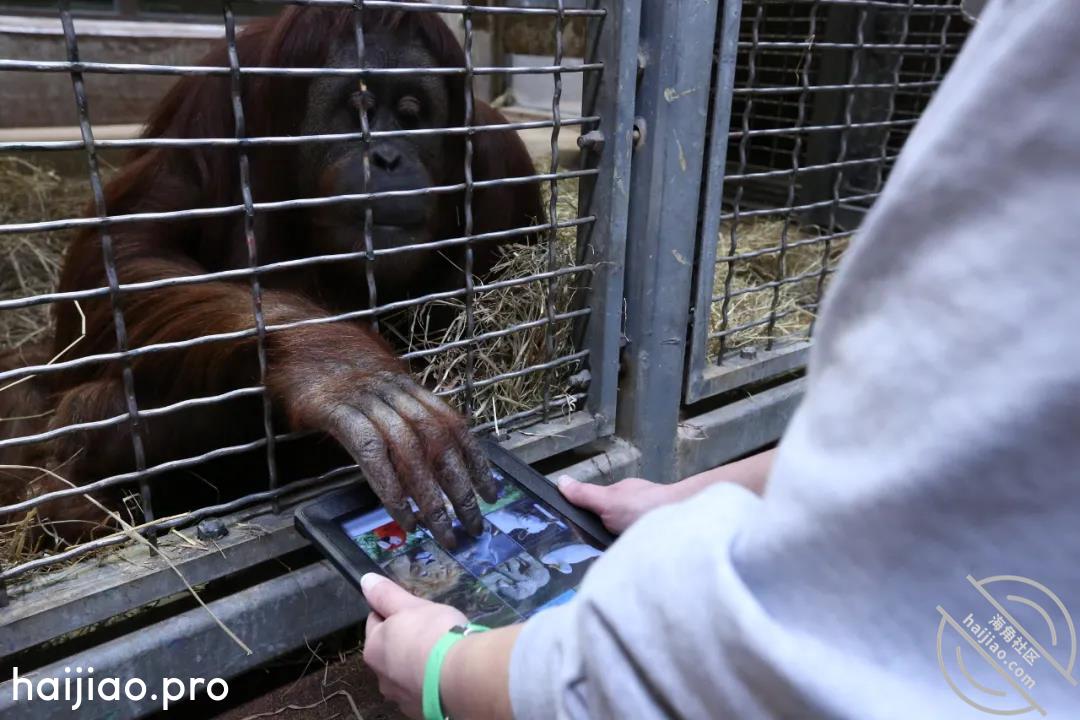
(580, 380)
(639, 131)
(592, 140)
(748, 353)
(211, 529)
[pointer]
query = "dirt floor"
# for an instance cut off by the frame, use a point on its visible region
(343, 690)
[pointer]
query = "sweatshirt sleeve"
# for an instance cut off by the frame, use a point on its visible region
(624, 641)
(665, 626)
(936, 447)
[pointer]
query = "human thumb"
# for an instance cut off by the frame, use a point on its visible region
(584, 495)
(386, 597)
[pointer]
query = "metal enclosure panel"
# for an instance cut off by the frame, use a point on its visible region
(713, 192)
(613, 38)
(677, 45)
(812, 101)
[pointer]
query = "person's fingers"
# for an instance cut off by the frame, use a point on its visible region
(359, 436)
(584, 495)
(373, 649)
(386, 597)
(374, 620)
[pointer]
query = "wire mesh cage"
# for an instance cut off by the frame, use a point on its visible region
(166, 360)
(813, 100)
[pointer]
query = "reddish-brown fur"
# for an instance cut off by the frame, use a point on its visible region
(312, 370)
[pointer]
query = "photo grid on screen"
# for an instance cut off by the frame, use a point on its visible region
(525, 560)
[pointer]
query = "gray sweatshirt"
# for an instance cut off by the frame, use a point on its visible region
(917, 551)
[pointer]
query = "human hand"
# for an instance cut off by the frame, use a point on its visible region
(619, 505)
(401, 631)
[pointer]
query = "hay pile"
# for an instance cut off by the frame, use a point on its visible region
(797, 301)
(498, 309)
(30, 263)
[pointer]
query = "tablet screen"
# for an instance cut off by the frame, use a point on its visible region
(528, 558)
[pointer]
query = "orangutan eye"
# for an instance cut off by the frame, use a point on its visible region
(409, 107)
(362, 100)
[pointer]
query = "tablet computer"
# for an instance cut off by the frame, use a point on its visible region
(532, 554)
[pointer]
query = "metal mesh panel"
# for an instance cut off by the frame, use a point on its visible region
(816, 98)
(467, 361)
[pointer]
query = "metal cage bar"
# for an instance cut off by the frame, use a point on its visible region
(845, 136)
(239, 273)
(462, 9)
(61, 66)
(262, 141)
(606, 196)
(553, 199)
(86, 360)
(470, 290)
(250, 243)
(722, 95)
(800, 119)
(109, 260)
(365, 150)
(295, 204)
(251, 333)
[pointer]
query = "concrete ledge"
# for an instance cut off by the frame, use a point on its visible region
(94, 27)
(537, 140)
(271, 618)
(68, 132)
(723, 434)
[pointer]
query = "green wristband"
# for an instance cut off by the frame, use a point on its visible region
(430, 702)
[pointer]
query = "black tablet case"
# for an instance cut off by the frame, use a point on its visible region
(319, 520)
